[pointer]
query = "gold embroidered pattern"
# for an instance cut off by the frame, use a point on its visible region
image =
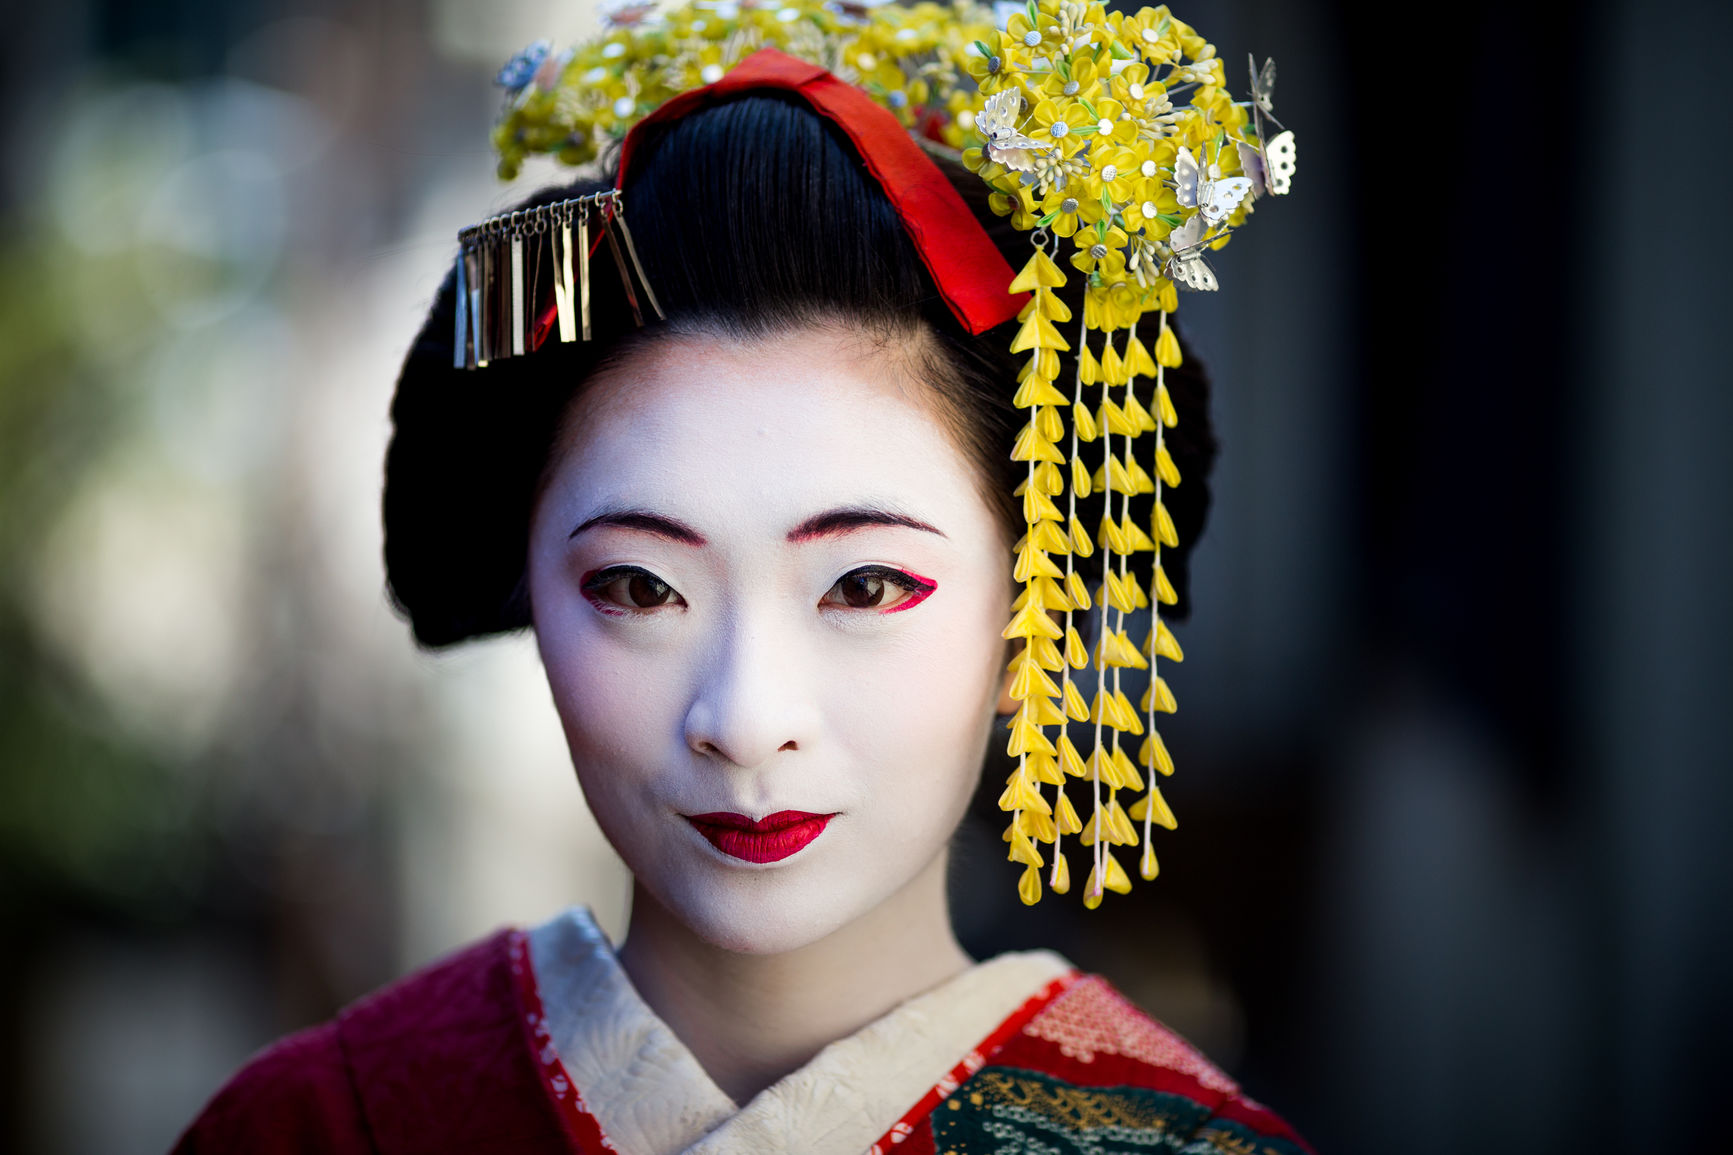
(1010, 1111)
(1075, 1108)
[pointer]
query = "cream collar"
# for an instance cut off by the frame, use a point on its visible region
(651, 1097)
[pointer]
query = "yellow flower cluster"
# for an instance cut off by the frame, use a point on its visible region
(1113, 131)
(913, 59)
(1087, 141)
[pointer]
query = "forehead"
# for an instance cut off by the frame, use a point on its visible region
(781, 424)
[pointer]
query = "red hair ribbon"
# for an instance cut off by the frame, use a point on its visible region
(968, 268)
(970, 271)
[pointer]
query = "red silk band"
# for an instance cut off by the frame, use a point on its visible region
(965, 264)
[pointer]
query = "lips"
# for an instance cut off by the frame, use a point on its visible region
(768, 839)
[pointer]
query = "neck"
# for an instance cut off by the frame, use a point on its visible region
(750, 1019)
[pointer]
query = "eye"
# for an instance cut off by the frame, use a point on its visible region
(877, 587)
(629, 587)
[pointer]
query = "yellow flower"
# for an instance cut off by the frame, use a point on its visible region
(1124, 304)
(1070, 208)
(1112, 124)
(1145, 217)
(1076, 77)
(1152, 33)
(1131, 86)
(1117, 172)
(1191, 43)
(1223, 114)
(991, 71)
(1194, 130)
(1018, 203)
(1153, 172)
(975, 160)
(1060, 122)
(1042, 40)
(1101, 250)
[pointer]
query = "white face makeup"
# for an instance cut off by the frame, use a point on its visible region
(764, 580)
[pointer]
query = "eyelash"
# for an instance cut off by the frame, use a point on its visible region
(592, 584)
(918, 588)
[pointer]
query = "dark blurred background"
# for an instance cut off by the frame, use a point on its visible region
(1450, 873)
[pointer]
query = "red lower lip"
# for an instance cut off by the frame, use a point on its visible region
(768, 839)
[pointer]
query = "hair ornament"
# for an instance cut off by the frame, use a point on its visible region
(1112, 140)
(509, 264)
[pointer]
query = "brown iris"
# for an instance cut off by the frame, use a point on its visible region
(643, 590)
(861, 590)
(875, 588)
(630, 589)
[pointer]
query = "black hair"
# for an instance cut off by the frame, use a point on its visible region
(751, 217)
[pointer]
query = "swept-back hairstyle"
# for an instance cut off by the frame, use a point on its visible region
(751, 218)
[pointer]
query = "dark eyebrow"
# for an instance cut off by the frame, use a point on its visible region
(835, 522)
(645, 522)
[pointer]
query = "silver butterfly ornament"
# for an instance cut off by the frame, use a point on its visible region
(1275, 156)
(1214, 196)
(1187, 266)
(997, 124)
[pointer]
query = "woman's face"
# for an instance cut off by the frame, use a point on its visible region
(766, 585)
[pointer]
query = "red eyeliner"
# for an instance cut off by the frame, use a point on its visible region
(916, 597)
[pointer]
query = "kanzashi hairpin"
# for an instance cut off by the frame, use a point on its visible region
(509, 264)
(1071, 116)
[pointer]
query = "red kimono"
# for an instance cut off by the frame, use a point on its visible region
(458, 1058)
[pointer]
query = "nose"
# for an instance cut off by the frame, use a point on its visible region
(751, 700)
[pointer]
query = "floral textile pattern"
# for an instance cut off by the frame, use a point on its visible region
(1113, 141)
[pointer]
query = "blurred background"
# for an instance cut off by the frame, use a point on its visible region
(1451, 873)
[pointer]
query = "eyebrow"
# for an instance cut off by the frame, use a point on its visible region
(830, 523)
(645, 522)
(836, 522)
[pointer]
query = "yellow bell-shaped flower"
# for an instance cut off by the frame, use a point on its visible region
(1155, 808)
(1081, 483)
(1029, 886)
(1070, 761)
(1159, 697)
(1060, 880)
(1167, 352)
(1164, 591)
(1075, 708)
(1039, 272)
(1037, 391)
(1154, 754)
(1083, 422)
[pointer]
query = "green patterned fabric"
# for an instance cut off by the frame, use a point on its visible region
(1010, 1111)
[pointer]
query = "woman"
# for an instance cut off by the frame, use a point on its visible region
(763, 543)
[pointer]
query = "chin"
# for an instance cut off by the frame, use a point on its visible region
(760, 913)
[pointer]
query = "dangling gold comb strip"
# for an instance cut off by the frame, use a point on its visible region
(507, 265)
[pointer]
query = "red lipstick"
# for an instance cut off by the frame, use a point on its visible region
(768, 839)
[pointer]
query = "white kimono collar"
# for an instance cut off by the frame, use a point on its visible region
(651, 1097)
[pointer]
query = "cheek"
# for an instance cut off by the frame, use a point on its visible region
(619, 707)
(917, 710)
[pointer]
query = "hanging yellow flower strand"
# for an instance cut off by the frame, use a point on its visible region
(1081, 140)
